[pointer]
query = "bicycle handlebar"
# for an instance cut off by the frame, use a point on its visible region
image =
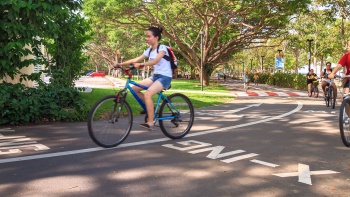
(126, 70)
(346, 76)
(325, 76)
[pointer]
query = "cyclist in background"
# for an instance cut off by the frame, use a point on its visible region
(162, 76)
(326, 81)
(311, 76)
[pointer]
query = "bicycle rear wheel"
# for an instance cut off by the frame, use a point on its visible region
(344, 122)
(109, 121)
(332, 97)
(182, 121)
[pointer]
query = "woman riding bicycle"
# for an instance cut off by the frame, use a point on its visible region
(311, 77)
(162, 76)
(326, 81)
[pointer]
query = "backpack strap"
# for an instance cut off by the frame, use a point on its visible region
(166, 57)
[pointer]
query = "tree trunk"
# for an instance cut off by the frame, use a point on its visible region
(206, 78)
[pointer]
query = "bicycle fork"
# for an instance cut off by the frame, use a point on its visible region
(120, 99)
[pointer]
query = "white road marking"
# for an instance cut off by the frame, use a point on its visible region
(264, 163)
(229, 111)
(304, 173)
(233, 159)
(7, 130)
(25, 158)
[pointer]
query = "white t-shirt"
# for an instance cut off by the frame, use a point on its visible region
(163, 66)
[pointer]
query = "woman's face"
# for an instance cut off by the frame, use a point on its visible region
(150, 39)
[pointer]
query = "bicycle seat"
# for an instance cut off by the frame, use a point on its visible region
(167, 88)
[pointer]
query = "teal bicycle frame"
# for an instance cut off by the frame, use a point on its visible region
(161, 97)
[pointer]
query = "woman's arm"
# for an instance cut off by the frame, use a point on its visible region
(335, 70)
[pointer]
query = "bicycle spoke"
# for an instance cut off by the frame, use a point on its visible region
(109, 122)
(178, 117)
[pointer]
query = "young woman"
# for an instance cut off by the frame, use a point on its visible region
(311, 76)
(326, 82)
(162, 76)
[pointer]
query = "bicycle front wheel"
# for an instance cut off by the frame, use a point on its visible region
(344, 122)
(332, 95)
(316, 92)
(109, 121)
(326, 97)
(180, 115)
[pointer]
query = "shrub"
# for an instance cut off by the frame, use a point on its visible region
(21, 105)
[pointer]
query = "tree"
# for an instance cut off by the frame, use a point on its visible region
(55, 24)
(228, 26)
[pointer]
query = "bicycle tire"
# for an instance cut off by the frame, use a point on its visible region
(344, 120)
(103, 127)
(332, 97)
(316, 92)
(179, 126)
(326, 97)
(328, 100)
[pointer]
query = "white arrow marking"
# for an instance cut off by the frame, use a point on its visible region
(304, 173)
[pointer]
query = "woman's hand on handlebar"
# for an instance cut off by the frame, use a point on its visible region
(331, 76)
(138, 65)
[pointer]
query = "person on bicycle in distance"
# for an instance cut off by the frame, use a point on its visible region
(326, 81)
(162, 76)
(311, 76)
(343, 62)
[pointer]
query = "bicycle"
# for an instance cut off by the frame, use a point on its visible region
(110, 119)
(344, 118)
(314, 89)
(330, 96)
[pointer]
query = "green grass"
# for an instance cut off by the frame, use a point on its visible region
(198, 100)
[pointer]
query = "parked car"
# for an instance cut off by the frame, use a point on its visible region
(98, 74)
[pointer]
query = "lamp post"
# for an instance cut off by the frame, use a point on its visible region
(201, 33)
(309, 55)
(262, 63)
(243, 69)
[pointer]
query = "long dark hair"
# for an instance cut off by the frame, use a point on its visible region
(157, 31)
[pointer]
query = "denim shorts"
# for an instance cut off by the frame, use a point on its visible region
(164, 80)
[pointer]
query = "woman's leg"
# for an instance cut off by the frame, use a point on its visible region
(323, 85)
(146, 82)
(152, 90)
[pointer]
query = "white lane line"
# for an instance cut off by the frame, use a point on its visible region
(300, 105)
(25, 158)
(229, 111)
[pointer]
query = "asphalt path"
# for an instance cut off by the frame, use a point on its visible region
(256, 146)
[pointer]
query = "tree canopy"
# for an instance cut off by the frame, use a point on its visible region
(227, 26)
